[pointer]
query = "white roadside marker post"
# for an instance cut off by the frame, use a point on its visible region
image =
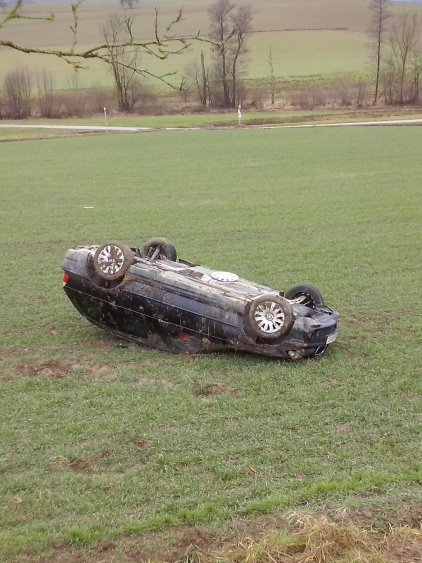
(105, 119)
(239, 114)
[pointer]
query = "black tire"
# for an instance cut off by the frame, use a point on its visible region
(112, 259)
(270, 316)
(159, 248)
(310, 296)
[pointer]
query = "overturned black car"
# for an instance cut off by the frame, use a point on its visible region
(150, 297)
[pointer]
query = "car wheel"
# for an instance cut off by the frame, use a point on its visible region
(270, 316)
(306, 295)
(159, 248)
(112, 259)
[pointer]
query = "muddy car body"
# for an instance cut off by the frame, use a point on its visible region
(149, 297)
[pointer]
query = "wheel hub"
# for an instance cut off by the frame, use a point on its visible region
(110, 259)
(269, 317)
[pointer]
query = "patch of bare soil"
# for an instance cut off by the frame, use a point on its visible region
(53, 368)
(19, 351)
(59, 369)
(200, 389)
(83, 465)
(172, 361)
(33, 362)
(328, 537)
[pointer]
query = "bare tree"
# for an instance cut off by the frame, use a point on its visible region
(228, 30)
(221, 32)
(377, 30)
(184, 90)
(123, 60)
(198, 74)
(17, 93)
(361, 93)
(415, 63)
(45, 89)
(204, 80)
(242, 26)
(272, 79)
(3, 4)
(75, 99)
(344, 93)
(388, 78)
(403, 41)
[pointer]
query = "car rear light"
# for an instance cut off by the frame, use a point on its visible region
(186, 337)
(65, 278)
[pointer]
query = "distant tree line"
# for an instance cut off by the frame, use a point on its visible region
(396, 53)
(395, 56)
(26, 94)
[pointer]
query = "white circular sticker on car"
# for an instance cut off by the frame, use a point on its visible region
(224, 276)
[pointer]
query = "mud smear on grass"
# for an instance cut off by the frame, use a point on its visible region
(326, 537)
(58, 369)
(203, 389)
(83, 465)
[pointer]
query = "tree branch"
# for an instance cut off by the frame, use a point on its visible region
(161, 47)
(14, 15)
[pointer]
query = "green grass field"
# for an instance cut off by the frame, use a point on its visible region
(307, 37)
(104, 441)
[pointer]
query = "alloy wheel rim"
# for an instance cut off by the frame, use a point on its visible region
(111, 259)
(269, 317)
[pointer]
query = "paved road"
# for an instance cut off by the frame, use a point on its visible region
(354, 123)
(140, 129)
(74, 127)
